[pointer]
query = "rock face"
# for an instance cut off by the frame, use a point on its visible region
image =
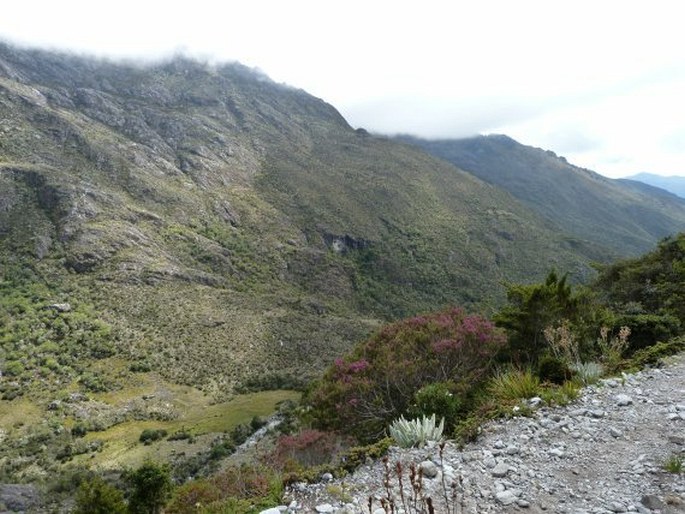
(566, 460)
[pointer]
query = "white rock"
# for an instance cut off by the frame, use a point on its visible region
(506, 497)
(500, 470)
(623, 400)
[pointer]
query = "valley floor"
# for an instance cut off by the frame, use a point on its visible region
(606, 452)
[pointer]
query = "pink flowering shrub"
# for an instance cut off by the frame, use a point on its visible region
(307, 448)
(363, 392)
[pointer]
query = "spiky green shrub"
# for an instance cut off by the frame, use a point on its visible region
(514, 384)
(588, 372)
(416, 432)
(364, 392)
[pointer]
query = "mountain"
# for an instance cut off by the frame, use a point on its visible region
(673, 184)
(208, 223)
(621, 217)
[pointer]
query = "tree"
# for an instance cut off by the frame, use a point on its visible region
(151, 488)
(95, 496)
(531, 309)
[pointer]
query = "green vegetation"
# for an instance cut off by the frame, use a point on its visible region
(362, 393)
(151, 487)
(95, 496)
(173, 235)
(416, 432)
(674, 464)
(602, 215)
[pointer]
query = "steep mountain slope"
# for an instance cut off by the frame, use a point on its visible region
(673, 184)
(224, 227)
(615, 214)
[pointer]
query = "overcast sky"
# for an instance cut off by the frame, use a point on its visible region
(600, 82)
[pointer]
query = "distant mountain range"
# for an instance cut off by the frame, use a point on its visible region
(618, 215)
(673, 184)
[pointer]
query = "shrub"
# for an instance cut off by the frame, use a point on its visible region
(13, 369)
(441, 399)
(530, 310)
(648, 329)
(307, 448)
(95, 496)
(674, 464)
(358, 455)
(416, 432)
(362, 393)
(653, 354)
(588, 372)
(149, 435)
(221, 448)
(553, 370)
(514, 384)
(151, 488)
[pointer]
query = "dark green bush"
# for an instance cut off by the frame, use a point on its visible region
(648, 329)
(440, 398)
(652, 355)
(221, 448)
(554, 370)
(150, 435)
(95, 496)
(151, 487)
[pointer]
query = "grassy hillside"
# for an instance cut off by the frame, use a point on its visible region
(225, 226)
(220, 230)
(614, 214)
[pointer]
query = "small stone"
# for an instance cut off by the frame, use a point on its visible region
(54, 405)
(523, 503)
(556, 452)
(652, 502)
(272, 510)
(500, 470)
(499, 444)
(326, 477)
(623, 400)
(506, 497)
(429, 469)
(615, 432)
(60, 307)
(324, 507)
(489, 462)
(597, 413)
(617, 507)
(535, 401)
(511, 450)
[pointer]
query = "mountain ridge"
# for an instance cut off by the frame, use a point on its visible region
(218, 207)
(674, 184)
(614, 214)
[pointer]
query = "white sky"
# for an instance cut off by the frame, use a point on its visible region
(600, 82)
